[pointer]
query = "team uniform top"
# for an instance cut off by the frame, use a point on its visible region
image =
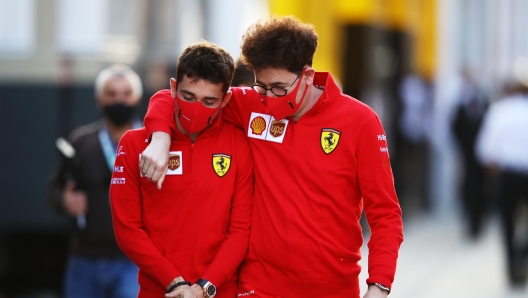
(313, 178)
(197, 225)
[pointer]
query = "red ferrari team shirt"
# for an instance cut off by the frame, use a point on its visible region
(197, 225)
(314, 178)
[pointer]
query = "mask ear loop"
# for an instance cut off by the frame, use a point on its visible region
(302, 98)
(304, 93)
(210, 119)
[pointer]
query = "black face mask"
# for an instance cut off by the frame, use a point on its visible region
(119, 113)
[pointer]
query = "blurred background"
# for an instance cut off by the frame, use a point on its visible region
(421, 64)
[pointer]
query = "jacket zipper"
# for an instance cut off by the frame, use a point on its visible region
(190, 156)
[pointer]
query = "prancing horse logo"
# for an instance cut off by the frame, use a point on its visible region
(221, 164)
(329, 139)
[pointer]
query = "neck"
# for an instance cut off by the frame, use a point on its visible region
(116, 132)
(311, 97)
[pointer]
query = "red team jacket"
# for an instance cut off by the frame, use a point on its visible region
(197, 225)
(313, 177)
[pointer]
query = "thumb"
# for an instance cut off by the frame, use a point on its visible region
(161, 179)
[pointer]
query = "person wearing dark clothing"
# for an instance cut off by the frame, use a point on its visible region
(465, 126)
(80, 185)
(502, 145)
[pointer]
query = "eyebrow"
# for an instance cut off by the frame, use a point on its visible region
(192, 94)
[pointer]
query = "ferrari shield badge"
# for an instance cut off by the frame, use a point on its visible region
(221, 164)
(329, 139)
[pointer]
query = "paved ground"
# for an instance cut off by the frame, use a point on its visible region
(437, 261)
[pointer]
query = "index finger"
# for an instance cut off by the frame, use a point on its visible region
(161, 179)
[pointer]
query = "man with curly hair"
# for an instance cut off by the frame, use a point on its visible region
(320, 157)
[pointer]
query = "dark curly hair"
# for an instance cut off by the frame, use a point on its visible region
(207, 61)
(280, 42)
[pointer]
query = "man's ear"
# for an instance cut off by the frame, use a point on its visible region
(226, 99)
(173, 87)
(309, 73)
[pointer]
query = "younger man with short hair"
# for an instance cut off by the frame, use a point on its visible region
(195, 229)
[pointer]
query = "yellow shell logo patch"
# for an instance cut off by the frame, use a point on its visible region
(221, 164)
(258, 125)
(329, 139)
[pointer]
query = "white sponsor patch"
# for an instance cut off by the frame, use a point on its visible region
(175, 164)
(277, 130)
(382, 138)
(119, 169)
(266, 127)
(258, 125)
(118, 181)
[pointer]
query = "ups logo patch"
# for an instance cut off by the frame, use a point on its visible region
(174, 162)
(277, 128)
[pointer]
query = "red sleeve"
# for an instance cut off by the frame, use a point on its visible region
(160, 113)
(234, 248)
(238, 110)
(381, 204)
(125, 199)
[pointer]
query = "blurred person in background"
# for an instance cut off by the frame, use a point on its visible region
(320, 156)
(244, 77)
(470, 108)
(196, 229)
(502, 146)
(80, 186)
(412, 141)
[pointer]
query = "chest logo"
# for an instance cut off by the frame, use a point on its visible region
(221, 164)
(277, 128)
(258, 125)
(175, 166)
(329, 139)
(265, 127)
(174, 162)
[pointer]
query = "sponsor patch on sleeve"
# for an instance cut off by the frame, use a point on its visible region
(120, 151)
(118, 181)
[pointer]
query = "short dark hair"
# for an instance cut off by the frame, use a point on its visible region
(207, 61)
(243, 75)
(280, 42)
